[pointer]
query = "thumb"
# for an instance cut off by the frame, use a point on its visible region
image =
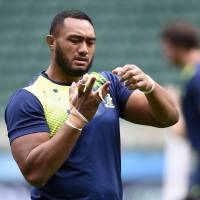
(73, 92)
(116, 70)
(103, 90)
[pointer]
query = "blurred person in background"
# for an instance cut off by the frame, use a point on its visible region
(64, 126)
(181, 47)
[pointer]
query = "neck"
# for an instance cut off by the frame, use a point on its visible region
(55, 73)
(192, 57)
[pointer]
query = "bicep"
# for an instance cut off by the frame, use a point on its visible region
(26, 125)
(137, 110)
(22, 146)
(24, 114)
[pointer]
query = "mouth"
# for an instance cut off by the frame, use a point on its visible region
(81, 60)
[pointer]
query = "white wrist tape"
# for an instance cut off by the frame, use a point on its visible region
(152, 87)
(73, 126)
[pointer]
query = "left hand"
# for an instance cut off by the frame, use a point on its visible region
(134, 78)
(83, 99)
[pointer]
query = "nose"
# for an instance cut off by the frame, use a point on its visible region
(83, 49)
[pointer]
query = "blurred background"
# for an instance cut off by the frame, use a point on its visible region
(127, 32)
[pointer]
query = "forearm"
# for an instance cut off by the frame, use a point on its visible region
(163, 109)
(149, 104)
(44, 160)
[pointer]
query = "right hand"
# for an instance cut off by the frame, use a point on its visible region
(86, 101)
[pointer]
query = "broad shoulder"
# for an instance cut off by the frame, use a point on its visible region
(22, 100)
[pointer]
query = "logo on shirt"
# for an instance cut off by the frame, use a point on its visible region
(109, 101)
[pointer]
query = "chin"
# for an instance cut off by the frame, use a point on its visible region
(81, 67)
(78, 72)
(84, 68)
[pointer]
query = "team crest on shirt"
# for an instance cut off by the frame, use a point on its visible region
(108, 101)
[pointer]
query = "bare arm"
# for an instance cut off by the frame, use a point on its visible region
(154, 109)
(38, 156)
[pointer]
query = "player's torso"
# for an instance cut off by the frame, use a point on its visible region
(94, 163)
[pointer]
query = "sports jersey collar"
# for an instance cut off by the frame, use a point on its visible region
(44, 74)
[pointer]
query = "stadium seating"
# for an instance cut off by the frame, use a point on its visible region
(127, 32)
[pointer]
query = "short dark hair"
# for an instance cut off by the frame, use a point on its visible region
(60, 17)
(181, 34)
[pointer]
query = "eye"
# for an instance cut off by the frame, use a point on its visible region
(90, 42)
(75, 40)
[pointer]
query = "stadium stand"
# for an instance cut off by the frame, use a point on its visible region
(127, 32)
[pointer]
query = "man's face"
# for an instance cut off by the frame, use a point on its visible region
(75, 47)
(172, 53)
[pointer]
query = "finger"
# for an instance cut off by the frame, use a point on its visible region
(142, 86)
(102, 91)
(120, 70)
(130, 73)
(82, 84)
(90, 84)
(126, 68)
(133, 86)
(133, 80)
(116, 70)
(123, 70)
(72, 92)
(105, 89)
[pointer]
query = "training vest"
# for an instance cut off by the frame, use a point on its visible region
(54, 99)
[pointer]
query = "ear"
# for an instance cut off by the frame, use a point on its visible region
(50, 39)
